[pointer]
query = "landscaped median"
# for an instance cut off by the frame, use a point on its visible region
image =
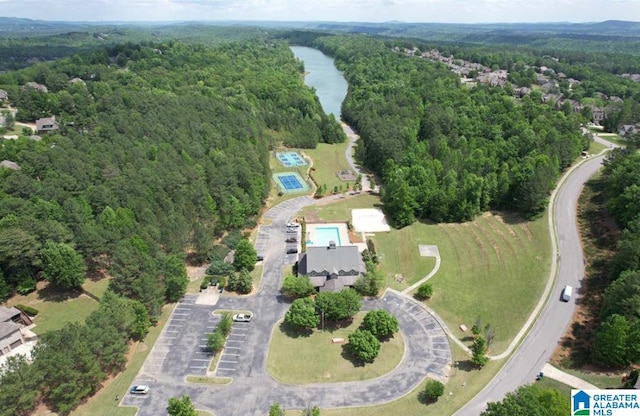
(317, 356)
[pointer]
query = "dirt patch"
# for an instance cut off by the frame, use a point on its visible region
(195, 272)
(311, 216)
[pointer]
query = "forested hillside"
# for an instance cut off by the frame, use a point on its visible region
(161, 148)
(446, 151)
(614, 343)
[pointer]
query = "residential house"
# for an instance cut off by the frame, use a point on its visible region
(36, 86)
(46, 125)
(616, 99)
(9, 165)
(521, 92)
(332, 268)
(629, 129)
(11, 321)
(4, 97)
(597, 115)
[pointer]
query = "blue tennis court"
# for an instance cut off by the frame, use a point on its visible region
(290, 182)
(289, 159)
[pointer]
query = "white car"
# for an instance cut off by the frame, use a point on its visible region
(139, 389)
(242, 317)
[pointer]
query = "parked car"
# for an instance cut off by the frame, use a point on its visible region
(139, 389)
(259, 257)
(566, 293)
(242, 317)
(292, 230)
(293, 225)
(291, 240)
(292, 250)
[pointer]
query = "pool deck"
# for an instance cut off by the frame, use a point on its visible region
(343, 232)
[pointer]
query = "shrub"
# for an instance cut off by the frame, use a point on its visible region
(225, 324)
(218, 253)
(241, 282)
(433, 390)
(220, 268)
(205, 282)
(26, 286)
(297, 287)
(232, 239)
(216, 340)
(425, 291)
(28, 310)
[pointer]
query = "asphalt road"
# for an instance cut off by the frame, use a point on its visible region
(179, 350)
(542, 340)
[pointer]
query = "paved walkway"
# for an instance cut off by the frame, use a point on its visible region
(566, 378)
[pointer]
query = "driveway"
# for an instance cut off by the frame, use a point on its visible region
(178, 351)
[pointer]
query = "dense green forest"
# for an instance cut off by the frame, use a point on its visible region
(162, 149)
(445, 151)
(614, 342)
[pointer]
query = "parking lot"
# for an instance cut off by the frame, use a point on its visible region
(230, 358)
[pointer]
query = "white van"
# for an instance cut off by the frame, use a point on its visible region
(566, 293)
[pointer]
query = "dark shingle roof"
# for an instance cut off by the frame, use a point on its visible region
(332, 260)
(8, 328)
(7, 314)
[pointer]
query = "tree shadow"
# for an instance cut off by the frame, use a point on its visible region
(332, 326)
(422, 398)
(467, 366)
(469, 338)
(513, 218)
(294, 332)
(347, 355)
(49, 293)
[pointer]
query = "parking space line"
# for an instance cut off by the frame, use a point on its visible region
(228, 353)
(235, 348)
(233, 340)
(199, 359)
(227, 361)
(196, 367)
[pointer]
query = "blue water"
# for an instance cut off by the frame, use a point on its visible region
(325, 234)
(330, 85)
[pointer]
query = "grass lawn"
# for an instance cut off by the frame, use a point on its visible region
(493, 267)
(209, 380)
(327, 160)
(56, 309)
(595, 148)
(300, 359)
(600, 380)
(549, 383)
(462, 386)
(103, 403)
(96, 287)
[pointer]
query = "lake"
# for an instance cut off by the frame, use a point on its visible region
(330, 85)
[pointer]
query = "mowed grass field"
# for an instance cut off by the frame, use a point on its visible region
(302, 359)
(494, 267)
(55, 310)
(327, 160)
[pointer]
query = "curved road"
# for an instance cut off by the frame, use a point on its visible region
(545, 335)
(176, 353)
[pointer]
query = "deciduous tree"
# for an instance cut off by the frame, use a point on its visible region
(181, 407)
(302, 314)
(380, 323)
(63, 266)
(364, 345)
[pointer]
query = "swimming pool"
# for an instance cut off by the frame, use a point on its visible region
(323, 235)
(290, 159)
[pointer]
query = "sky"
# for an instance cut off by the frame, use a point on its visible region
(440, 11)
